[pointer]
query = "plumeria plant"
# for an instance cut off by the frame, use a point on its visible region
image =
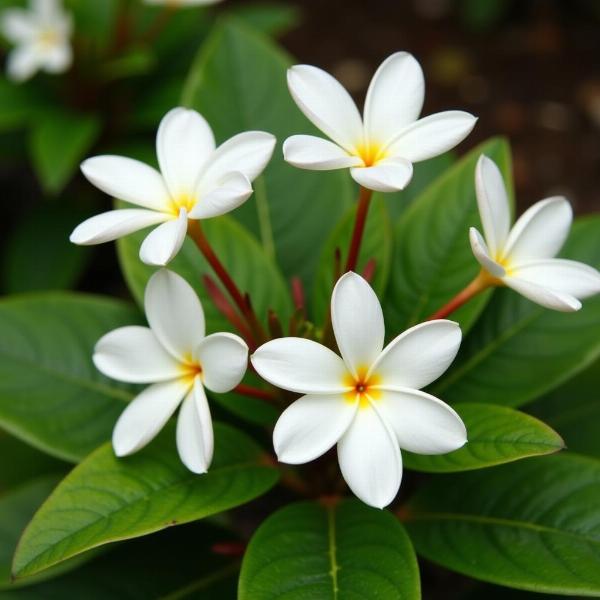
(319, 375)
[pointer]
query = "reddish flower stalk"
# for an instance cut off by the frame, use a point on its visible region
(252, 392)
(478, 285)
(364, 201)
(298, 294)
(369, 270)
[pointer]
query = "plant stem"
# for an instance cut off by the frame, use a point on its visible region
(160, 22)
(252, 392)
(364, 201)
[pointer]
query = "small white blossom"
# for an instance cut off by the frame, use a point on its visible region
(380, 147)
(196, 181)
(41, 36)
(367, 401)
(522, 258)
(173, 355)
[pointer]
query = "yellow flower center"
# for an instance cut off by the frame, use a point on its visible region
(182, 201)
(48, 38)
(363, 388)
(190, 368)
(371, 153)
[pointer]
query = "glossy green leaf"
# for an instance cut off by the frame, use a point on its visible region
(268, 17)
(238, 83)
(348, 550)
(519, 350)
(496, 434)
(58, 143)
(18, 104)
(106, 499)
(532, 525)
(376, 245)
(51, 395)
(433, 259)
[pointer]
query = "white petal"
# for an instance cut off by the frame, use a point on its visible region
(23, 62)
(357, 322)
(395, 97)
(17, 25)
(58, 58)
(184, 144)
(370, 460)
(310, 152)
(163, 243)
(388, 175)
(114, 224)
(541, 230)
(543, 296)
(146, 415)
(247, 153)
(418, 356)
(327, 104)
(128, 179)
(224, 360)
(422, 423)
(566, 276)
(482, 254)
(174, 313)
(432, 135)
(134, 354)
(301, 366)
(195, 442)
(232, 191)
(493, 204)
(311, 426)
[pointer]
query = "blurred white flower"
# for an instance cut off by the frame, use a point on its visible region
(196, 181)
(173, 355)
(522, 257)
(41, 36)
(379, 148)
(368, 401)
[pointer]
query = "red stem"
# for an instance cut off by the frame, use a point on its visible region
(298, 294)
(248, 390)
(364, 201)
(478, 285)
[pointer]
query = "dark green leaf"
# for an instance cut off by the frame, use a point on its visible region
(106, 499)
(268, 17)
(532, 525)
(18, 104)
(348, 550)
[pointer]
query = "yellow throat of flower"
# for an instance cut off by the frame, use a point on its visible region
(362, 387)
(371, 153)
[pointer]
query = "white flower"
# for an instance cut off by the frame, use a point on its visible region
(522, 257)
(380, 148)
(367, 402)
(41, 35)
(196, 181)
(173, 355)
(180, 3)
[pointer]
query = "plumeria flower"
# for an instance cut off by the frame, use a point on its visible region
(196, 181)
(41, 36)
(368, 401)
(522, 257)
(380, 147)
(174, 356)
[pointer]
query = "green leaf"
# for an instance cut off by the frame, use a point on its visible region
(51, 395)
(18, 104)
(267, 17)
(347, 550)
(58, 143)
(496, 435)
(433, 259)
(376, 244)
(519, 350)
(106, 499)
(238, 83)
(532, 525)
(239, 252)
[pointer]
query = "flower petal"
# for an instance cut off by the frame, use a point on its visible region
(163, 243)
(174, 313)
(432, 135)
(388, 175)
(17, 25)
(370, 459)
(146, 415)
(128, 179)
(493, 204)
(114, 224)
(418, 356)
(58, 58)
(135, 355)
(394, 98)
(301, 366)
(327, 104)
(224, 360)
(195, 441)
(310, 152)
(23, 62)
(540, 232)
(482, 254)
(184, 144)
(543, 296)
(422, 423)
(357, 322)
(234, 189)
(311, 426)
